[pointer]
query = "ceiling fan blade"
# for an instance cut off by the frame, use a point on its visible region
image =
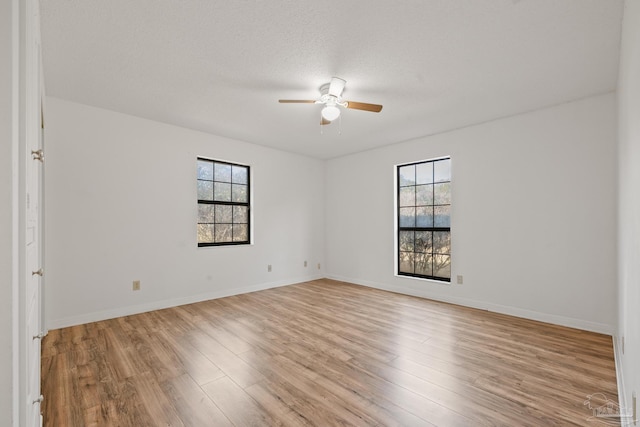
(375, 108)
(324, 121)
(337, 86)
(297, 101)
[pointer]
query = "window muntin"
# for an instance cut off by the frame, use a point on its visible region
(424, 219)
(223, 203)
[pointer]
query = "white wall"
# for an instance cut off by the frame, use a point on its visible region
(533, 215)
(7, 183)
(121, 206)
(629, 204)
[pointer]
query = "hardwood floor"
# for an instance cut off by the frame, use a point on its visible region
(323, 353)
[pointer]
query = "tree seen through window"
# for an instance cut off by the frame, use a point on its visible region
(223, 203)
(424, 219)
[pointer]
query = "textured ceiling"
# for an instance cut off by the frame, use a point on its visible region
(435, 65)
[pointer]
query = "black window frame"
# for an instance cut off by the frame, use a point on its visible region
(246, 204)
(400, 229)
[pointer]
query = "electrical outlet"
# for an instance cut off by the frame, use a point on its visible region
(269, 268)
(305, 263)
(460, 280)
(318, 266)
(136, 285)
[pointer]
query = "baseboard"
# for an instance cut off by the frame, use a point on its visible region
(159, 305)
(485, 305)
(622, 394)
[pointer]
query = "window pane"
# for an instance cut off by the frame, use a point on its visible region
(442, 170)
(240, 232)
(407, 217)
(240, 215)
(205, 213)
(239, 193)
(442, 194)
(424, 195)
(239, 174)
(442, 266)
(223, 233)
(424, 173)
(406, 241)
(223, 203)
(407, 175)
(222, 172)
(442, 216)
(205, 190)
(221, 192)
(424, 264)
(423, 242)
(442, 242)
(424, 216)
(205, 233)
(205, 170)
(424, 219)
(223, 214)
(408, 196)
(406, 262)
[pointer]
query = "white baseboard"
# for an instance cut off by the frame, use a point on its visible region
(622, 394)
(159, 305)
(484, 305)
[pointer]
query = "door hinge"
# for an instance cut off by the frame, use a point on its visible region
(38, 155)
(39, 399)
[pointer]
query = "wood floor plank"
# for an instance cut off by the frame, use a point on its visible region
(495, 411)
(275, 405)
(59, 407)
(322, 353)
(88, 385)
(306, 406)
(192, 403)
(350, 393)
(155, 400)
(115, 345)
(232, 342)
(328, 393)
(196, 364)
(127, 408)
(232, 365)
(237, 405)
(377, 391)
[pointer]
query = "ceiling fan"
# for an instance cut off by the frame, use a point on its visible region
(331, 98)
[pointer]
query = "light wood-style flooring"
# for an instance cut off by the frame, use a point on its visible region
(323, 353)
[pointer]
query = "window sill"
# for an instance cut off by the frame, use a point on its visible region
(440, 282)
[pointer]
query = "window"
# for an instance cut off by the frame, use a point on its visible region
(223, 203)
(424, 219)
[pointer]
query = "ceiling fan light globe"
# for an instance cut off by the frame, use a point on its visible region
(330, 112)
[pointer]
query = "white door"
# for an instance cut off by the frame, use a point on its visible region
(32, 164)
(33, 278)
(33, 275)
